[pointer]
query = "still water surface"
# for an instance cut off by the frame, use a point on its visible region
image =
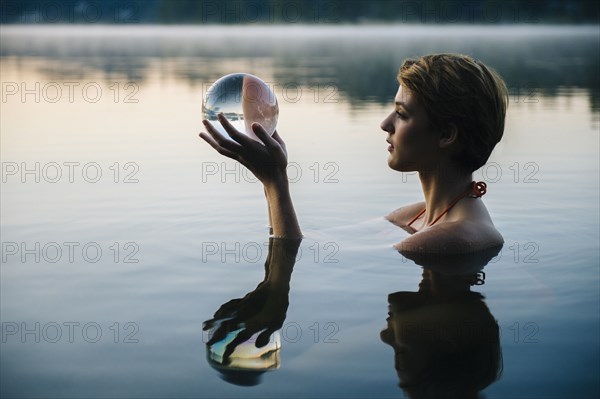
(144, 231)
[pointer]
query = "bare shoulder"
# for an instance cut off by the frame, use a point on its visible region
(453, 238)
(402, 216)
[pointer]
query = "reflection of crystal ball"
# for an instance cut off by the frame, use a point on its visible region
(246, 356)
(243, 99)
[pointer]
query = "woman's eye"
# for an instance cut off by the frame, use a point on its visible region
(400, 115)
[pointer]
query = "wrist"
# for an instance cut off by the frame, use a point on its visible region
(277, 185)
(281, 210)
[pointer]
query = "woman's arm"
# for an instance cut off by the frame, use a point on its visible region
(282, 215)
(268, 162)
(260, 311)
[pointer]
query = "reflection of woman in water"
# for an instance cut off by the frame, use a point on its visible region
(259, 313)
(444, 347)
(448, 116)
(446, 342)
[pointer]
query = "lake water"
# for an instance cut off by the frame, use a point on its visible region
(122, 232)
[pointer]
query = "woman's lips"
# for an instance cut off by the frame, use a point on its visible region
(390, 147)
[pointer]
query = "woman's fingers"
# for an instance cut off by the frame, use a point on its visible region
(224, 146)
(208, 324)
(263, 160)
(227, 309)
(242, 336)
(216, 146)
(218, 137)
(218, 335)
(241, 140)
(235, 155)
(262, 134)
(232, 131)
(264, 337)
(278, 138)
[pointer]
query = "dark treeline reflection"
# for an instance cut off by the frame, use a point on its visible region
(446, 341)
(357, 64)
(306, 11)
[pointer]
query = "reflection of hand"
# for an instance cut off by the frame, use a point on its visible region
(266, 161)
(262, 310)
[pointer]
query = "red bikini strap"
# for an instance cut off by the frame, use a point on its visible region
(477, 190)
(418, 216)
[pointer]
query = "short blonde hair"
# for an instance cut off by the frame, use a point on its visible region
(455, 88)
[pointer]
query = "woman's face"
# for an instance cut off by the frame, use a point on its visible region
(404, 333)
(412, 145)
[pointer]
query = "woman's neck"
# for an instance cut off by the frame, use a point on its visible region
(440, 188)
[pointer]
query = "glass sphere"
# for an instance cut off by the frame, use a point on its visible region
(246, 355)
(243, 99)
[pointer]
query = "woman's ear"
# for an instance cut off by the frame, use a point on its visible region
(449, 135)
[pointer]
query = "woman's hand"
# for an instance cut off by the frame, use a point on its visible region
(262, 310)
(266, 161)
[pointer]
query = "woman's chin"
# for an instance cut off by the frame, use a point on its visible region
(394, 167)
(392, 163)
(398, 166)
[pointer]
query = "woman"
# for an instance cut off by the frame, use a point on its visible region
(448, 115)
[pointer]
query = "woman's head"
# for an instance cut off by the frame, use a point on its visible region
(444, 345)
(459, 100)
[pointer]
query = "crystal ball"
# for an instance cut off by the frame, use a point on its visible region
(246, 355)
(243, 99)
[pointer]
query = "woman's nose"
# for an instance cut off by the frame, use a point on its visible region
(386, 125)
